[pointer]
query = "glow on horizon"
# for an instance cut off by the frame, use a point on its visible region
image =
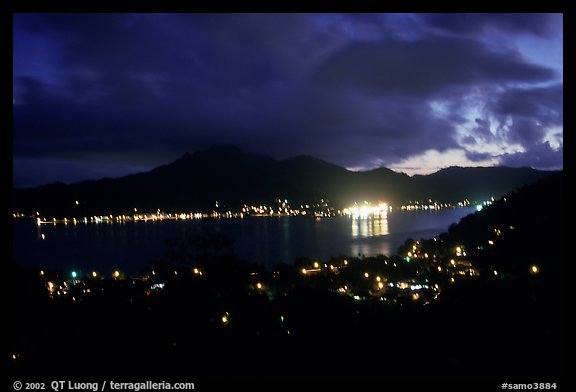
(432, 160)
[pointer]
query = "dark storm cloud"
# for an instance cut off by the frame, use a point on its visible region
(477, 156)
(542, 103)
(49, 126)
(425, 67)
(524, 117)
(526, 132)
(483, 128)
(541, 155)
(348, 125)
(536, 24)
(469, 140)
(27, 171)
(529, 113)
(140, 90)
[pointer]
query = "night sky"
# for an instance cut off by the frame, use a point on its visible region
(99, 95)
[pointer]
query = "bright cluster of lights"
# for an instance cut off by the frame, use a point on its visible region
(485, 203)
(460, 252)
(416, 206)
(225, 318)
(197, 271)
(283, 207)
(367, 210)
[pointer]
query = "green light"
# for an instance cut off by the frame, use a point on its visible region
(479, 207)
(74, 274)
(407, 259)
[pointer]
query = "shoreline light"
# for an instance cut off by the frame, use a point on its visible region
(367, 210)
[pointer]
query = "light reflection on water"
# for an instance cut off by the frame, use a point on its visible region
(369, 227)
(266, 240)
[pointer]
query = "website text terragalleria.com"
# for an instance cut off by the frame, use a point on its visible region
(59, 385)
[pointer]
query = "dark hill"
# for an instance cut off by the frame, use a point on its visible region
(526, 228)
(232, 177)
(481, 183)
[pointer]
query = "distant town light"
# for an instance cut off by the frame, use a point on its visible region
(259, 286)
(366, 274)
(41, 272)
(316, 265)
(116, 274)
(225, 319)
(304, 271)
(43, 236)
(479, 207)
(378, 279)
(94, 274)
(74, 274)
(380, 285)
(534, 269)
